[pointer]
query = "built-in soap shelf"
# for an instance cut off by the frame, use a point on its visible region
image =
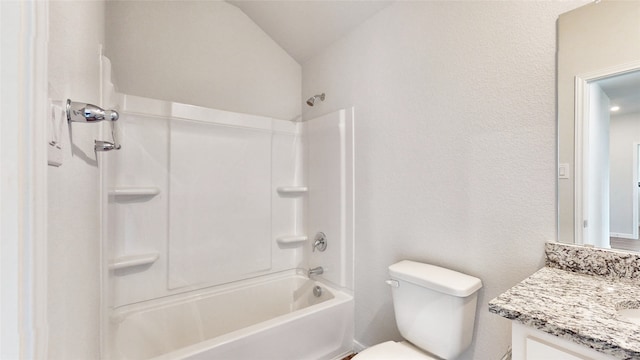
(292, 239)
(134, 191)
(292, 190)
(128, 261)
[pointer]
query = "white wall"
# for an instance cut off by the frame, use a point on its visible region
(206, 53)
(455, 147)
(624, 133)
(76, 31)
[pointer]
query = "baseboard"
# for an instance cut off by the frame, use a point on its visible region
(343, 355)
(623, 236)
(507, 355)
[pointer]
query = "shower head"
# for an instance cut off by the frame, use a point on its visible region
(312, 99)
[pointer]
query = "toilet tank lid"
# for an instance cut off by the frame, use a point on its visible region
(436, 278)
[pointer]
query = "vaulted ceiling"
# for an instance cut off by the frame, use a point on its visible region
(304, 27)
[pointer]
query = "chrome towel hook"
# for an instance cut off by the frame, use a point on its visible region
(89, 113)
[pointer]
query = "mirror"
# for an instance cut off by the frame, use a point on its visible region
(598, 68)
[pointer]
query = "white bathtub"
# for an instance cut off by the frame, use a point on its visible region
(277, 317)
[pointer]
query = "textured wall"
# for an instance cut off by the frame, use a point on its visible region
(206, 53)
(76, 30)
(455, 147)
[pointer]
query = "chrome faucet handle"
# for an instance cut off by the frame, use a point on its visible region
(319, 242)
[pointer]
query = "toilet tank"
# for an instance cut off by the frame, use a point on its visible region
(435, 307)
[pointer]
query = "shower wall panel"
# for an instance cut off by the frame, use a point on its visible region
(329, 144)
(288, 210)
(193, 199)
(219, 203)
(138, 224)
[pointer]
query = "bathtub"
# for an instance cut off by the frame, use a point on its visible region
(276, 317)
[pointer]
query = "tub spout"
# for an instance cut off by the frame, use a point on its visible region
(315, 271)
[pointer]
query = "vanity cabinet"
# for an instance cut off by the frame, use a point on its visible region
(532, 344)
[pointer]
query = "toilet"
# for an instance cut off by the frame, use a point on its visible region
(435, 311)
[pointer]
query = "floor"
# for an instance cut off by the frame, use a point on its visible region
(625, 244)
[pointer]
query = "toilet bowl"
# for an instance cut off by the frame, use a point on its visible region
(435, 312)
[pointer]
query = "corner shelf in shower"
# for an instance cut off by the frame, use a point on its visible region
(134, 191)
(292, 190)
(127, 261)
(292, 239)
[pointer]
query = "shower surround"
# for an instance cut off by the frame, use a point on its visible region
(199, 200)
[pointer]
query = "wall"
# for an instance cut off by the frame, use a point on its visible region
(588, 40)
(206, 53)
(454, 147)
(624, 132)
(75, 35)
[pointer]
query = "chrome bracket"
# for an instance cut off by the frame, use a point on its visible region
(89, 113)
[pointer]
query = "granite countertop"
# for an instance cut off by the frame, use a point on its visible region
(577, 307)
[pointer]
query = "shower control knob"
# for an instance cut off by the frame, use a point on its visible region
(320, 241)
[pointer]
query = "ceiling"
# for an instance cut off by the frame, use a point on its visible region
(624, 91)
(304, 27)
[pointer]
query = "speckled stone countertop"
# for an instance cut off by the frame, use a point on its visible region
(575, 306)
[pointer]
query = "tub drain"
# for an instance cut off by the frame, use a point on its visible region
(317, 291)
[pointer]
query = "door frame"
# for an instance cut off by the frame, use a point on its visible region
(581, 137)
(23, 179)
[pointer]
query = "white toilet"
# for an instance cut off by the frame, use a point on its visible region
(435, 311)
